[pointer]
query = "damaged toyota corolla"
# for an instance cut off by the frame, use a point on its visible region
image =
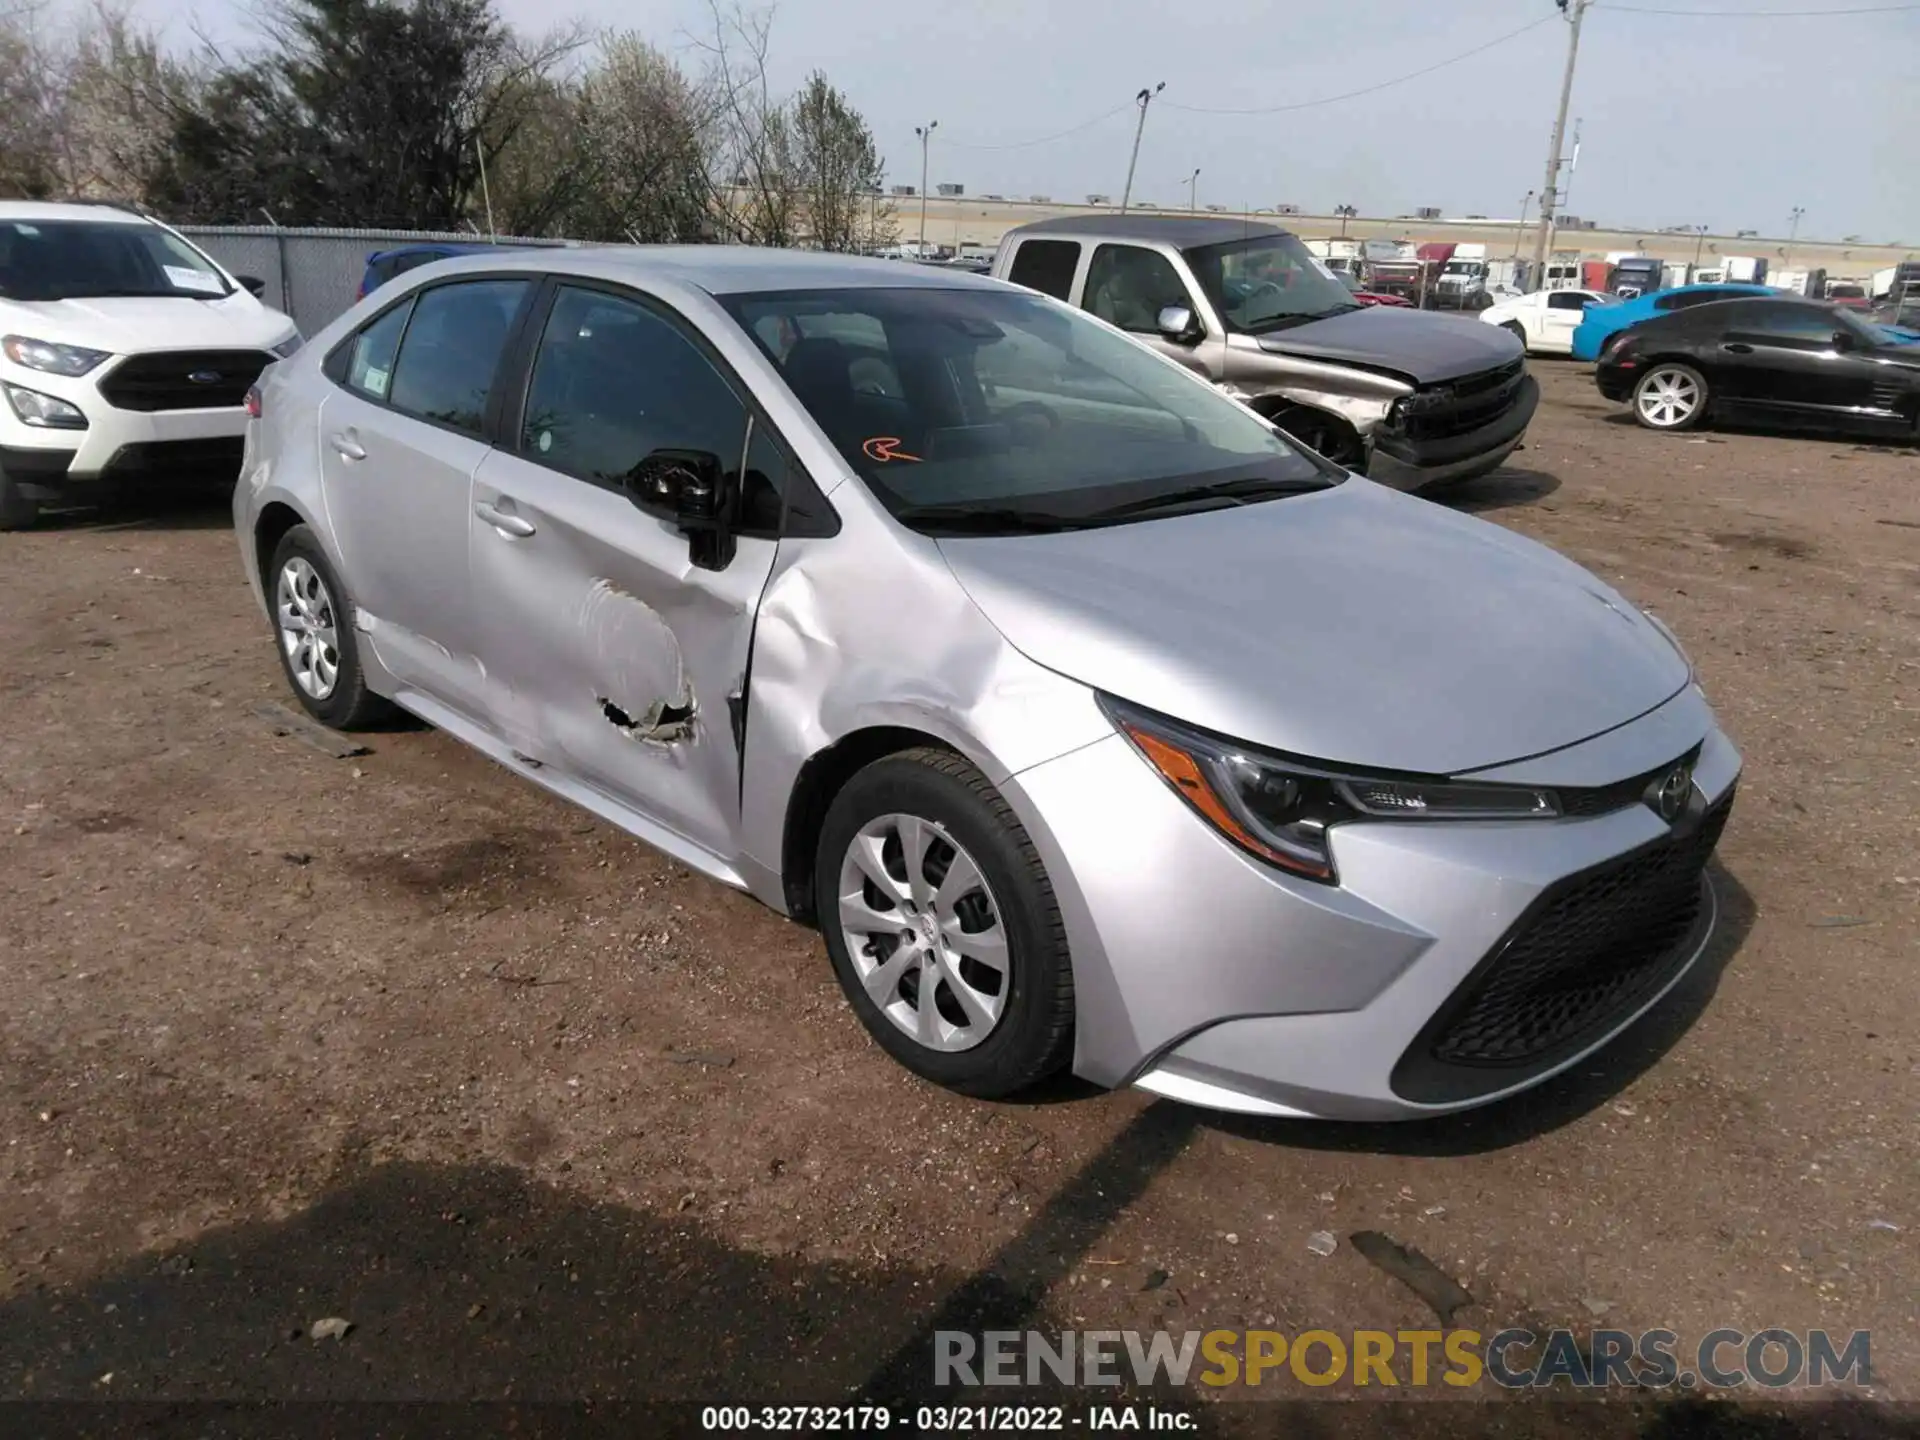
(1092, 721)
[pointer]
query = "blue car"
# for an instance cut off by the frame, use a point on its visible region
(384, 265)
(1601, 322)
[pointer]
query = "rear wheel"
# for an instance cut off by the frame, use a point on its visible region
(1670, 396)
(313, 621)
(17, 511)
(942, 926)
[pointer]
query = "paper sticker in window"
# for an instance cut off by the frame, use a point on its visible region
(203, 281)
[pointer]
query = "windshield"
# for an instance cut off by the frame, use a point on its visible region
(70, 259)
(1007, 404)
(1267, 283)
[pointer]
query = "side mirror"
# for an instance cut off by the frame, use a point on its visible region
(694, 489)
(252, 284)
(1177, 323)
(1843, 340)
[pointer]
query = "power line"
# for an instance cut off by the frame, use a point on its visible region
(1756, 14)
(1371, 89)
(1047, 139)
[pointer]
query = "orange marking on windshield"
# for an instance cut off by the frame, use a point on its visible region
(887, 447)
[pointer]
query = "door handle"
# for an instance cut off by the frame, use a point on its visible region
(1734, 347)
(349, 448)
(504, 521)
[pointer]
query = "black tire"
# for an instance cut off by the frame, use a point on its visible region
(1326, 436)
(1674, 371)
(1518, 331)
(1033, 1037)
(17, 511)
(350, 705)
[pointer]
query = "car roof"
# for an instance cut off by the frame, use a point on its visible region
(721, 269)
(70, 210)
(1180, 230)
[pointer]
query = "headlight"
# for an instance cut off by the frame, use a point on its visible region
(290, 346)
(1280, 809)
(44, 412)
(52, 358)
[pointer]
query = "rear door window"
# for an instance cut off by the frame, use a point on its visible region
(451, 350)
(1046, 266)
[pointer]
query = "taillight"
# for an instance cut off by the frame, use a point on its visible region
(253, 402)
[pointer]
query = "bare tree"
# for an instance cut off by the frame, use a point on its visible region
(753, 189)
(837, 169)
(30, 88)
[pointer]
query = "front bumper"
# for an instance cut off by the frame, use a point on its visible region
(1206, 977)
(1402, 464)
(142, 447)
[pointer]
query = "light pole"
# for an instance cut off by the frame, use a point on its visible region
(1700, 239)
(1575, 11)
(1793, 233)
(925, 132)
(1346, 213)
(1193, 190)
(1143, 99)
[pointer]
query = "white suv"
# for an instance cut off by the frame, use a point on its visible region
(126, 354)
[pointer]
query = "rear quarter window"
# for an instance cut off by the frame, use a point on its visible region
(1046, 266)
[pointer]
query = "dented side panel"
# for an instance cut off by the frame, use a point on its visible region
(610, 656)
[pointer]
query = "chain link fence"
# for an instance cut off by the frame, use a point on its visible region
(314, 275)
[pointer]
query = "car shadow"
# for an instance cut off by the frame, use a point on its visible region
(1716, 431)
(1502, 489)
(197, 509)
(1549, 1106)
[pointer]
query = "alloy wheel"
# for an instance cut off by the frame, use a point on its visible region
(309, 633)
(924, 932)
(1668, 398)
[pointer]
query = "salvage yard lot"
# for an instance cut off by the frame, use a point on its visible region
(397, 1039)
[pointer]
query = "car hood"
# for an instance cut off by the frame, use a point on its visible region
(1353, 625)
(1426, 348)
(129, 324)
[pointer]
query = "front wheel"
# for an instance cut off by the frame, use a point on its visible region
(1518, 331)
(1670, 396)
(942, 926)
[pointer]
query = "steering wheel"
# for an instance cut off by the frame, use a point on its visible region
(1030, 416)
(1266, 287)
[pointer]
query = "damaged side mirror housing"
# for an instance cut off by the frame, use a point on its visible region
(695, 490)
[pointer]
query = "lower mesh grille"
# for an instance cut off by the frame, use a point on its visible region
(1588, 952)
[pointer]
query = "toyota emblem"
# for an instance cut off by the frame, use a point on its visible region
(204, 377)
(1668, 795)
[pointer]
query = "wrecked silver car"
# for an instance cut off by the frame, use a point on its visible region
(1092, 721)
(1411, 399)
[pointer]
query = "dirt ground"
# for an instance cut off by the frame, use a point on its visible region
(400, 1040)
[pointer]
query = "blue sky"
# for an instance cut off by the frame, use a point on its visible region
(1689, 119)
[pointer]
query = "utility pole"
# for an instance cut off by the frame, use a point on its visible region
(1193, 190)
(1793, 233)
(1575, 11)
(1521, 229)
(1143, 99)
(1700, 239)
(925, 132)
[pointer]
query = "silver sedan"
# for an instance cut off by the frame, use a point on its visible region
(1093, 722)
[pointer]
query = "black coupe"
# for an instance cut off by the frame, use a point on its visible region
(1770, 362)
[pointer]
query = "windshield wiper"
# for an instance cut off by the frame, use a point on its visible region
(984, 520)
(1236, 492)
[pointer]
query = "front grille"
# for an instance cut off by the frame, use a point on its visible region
(1461, 406)
(1589, 951)
(183, 379)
